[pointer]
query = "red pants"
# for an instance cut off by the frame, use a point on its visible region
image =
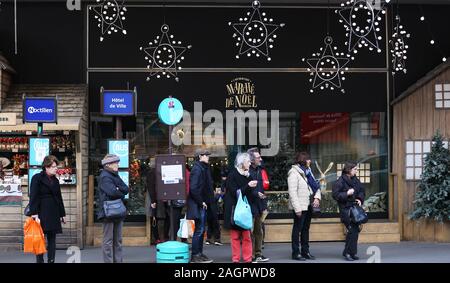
(236, 237)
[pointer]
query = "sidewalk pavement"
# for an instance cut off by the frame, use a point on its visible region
(326, 252)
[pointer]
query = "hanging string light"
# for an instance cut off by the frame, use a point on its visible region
(398, 46)
(255, 33)
(164, 55)
(362, 24)
(433, 40)
(327, 67)
(109, 15)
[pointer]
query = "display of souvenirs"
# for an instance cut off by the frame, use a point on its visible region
(20, 162)
(62, 143)
(13, 144)
(65, 176)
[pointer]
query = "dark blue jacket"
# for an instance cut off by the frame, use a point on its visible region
(110, 187)
(258, 205)
(345, 202)
(200, 189)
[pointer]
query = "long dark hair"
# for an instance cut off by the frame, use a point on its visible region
(348, 166)
(301, 158)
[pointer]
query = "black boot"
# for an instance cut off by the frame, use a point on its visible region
(40, 258)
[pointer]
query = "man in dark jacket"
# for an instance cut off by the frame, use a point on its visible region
(200, 195)
(258, 203)
(111, 187)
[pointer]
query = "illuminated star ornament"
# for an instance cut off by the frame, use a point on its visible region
(398, 47)
(164, 55)
(327, 68)
(109, 14)
(361, 22)
(255, 33)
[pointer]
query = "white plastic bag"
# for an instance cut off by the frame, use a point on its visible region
(183, 232)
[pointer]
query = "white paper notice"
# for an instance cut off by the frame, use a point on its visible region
(172, 174)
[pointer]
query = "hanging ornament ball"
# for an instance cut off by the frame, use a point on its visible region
(256, 4)
(422, 18)
(444, 59)
(432, 42)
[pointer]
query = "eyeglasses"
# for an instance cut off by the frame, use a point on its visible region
(54, 166)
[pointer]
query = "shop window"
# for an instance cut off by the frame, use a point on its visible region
(416, 152)
(442, 95)
(363, 172)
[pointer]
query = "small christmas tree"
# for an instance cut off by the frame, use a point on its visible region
(433, 198)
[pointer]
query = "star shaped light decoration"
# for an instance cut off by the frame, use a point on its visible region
(362, 24)
(398, 47)
(164, 55)
(327, 68)
(255, 33)
(109, 14)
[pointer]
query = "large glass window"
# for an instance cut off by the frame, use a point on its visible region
(330, 138)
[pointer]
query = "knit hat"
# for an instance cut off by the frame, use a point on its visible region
(110, 158)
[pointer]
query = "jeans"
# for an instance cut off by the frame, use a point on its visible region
(301, 228)
(197, 238)
(51, 249)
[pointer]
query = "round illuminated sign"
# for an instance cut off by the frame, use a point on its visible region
(170, 111)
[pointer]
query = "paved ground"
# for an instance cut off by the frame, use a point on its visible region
(326, 252)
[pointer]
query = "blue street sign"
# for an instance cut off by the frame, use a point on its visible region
(40, 110)
(118, 103)
(121, 149)
(170, 111)
(39, 149)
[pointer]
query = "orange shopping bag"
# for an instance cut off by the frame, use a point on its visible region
(34, 241)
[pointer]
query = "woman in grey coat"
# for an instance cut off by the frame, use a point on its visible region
(111, 187)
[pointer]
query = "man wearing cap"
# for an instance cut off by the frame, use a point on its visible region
(111, 187)
(200, 196)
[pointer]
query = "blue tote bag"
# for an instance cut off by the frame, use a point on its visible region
(243, 214)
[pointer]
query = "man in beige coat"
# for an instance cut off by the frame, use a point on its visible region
(301, 199)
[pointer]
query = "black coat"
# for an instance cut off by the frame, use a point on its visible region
(110, 187)
(345, 202)
(46, 201)
(200, 189)
(235, 182)
(258, 204)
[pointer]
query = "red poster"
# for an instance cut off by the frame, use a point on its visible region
(324, 127)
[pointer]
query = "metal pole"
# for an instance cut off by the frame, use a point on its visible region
(118, 128)
(172, 224)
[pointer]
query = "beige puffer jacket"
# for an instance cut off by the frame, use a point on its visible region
(299, 191)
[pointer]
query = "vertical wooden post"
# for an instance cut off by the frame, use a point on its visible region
(391, 196)
(91, 201)
(400, 204)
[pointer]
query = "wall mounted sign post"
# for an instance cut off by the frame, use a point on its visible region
(170, 112)
(40, 110)
(118, 103)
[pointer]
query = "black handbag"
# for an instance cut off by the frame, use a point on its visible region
(114, 209)
(358, 215)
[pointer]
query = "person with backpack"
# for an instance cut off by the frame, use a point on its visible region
(348, 191)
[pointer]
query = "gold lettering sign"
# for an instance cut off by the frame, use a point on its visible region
(241, 94)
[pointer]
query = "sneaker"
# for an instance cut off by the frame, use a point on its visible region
(196, 259)
(205, 259)
(218, 243)
(208, 242)
(261, 259)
